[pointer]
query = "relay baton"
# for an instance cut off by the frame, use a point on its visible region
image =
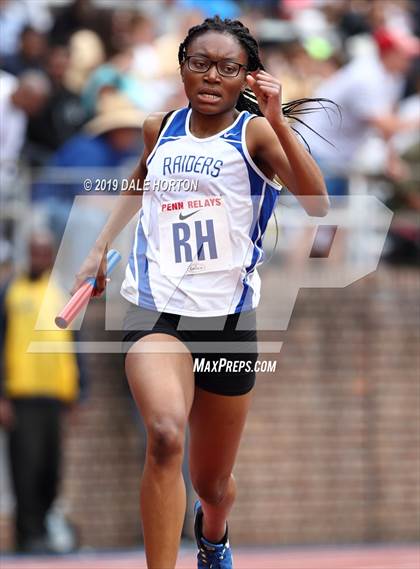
(82, 295)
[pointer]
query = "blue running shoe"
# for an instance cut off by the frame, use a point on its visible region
(210, 555)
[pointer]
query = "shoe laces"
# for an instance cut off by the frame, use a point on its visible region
(212, 557)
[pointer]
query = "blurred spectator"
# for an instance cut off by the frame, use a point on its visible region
(87, 52)
(164, 13)
(367, 90)
(172, 94)
(408, 110)
(6, 260)
(167, 44)
(398, 14)
(353, 18)
(36, 389)
(32, 49)
(154, 86)
(84, 15)
(411, 86)
(61, 117)
(270, 8)
(115, 76)
(108, 141)
(403, 245)
(363, 16)
(415, 9)
(75, 16)
(300, 68)
(20, 98)
(145, 57)
(15, 15)
(120, 30)
(403, 240)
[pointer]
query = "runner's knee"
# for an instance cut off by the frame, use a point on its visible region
(211, 491)
(165, 440)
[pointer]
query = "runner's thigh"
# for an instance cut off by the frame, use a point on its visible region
(216, 426)
(162, 383)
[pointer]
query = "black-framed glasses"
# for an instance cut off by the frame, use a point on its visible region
(225, 68)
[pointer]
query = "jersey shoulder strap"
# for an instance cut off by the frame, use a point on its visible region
(164, 121)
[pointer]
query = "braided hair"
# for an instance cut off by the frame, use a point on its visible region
(247, 100)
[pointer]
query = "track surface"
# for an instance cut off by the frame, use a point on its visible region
(352, 557)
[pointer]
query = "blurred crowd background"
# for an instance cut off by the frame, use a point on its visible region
(77, 79)
(66, 63)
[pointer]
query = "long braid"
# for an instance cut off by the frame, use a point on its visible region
(247, 100)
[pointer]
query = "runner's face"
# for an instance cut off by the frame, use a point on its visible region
(211, 93)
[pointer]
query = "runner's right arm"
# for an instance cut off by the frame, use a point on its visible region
(123, 212)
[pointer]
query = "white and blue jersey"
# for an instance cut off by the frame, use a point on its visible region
(205, 209)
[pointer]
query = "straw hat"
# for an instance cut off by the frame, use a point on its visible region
(114, 111)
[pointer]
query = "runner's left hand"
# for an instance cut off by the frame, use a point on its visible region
(267, 89)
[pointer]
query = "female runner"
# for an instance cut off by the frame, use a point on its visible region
(192, 273)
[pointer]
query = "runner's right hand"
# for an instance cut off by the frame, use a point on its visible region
(94, 266)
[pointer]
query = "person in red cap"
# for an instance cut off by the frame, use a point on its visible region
(395, 45)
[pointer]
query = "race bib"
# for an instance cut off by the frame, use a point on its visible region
(194, 237)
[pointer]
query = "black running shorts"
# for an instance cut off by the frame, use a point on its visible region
(207, 338)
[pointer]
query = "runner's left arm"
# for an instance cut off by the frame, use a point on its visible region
(274, 144)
